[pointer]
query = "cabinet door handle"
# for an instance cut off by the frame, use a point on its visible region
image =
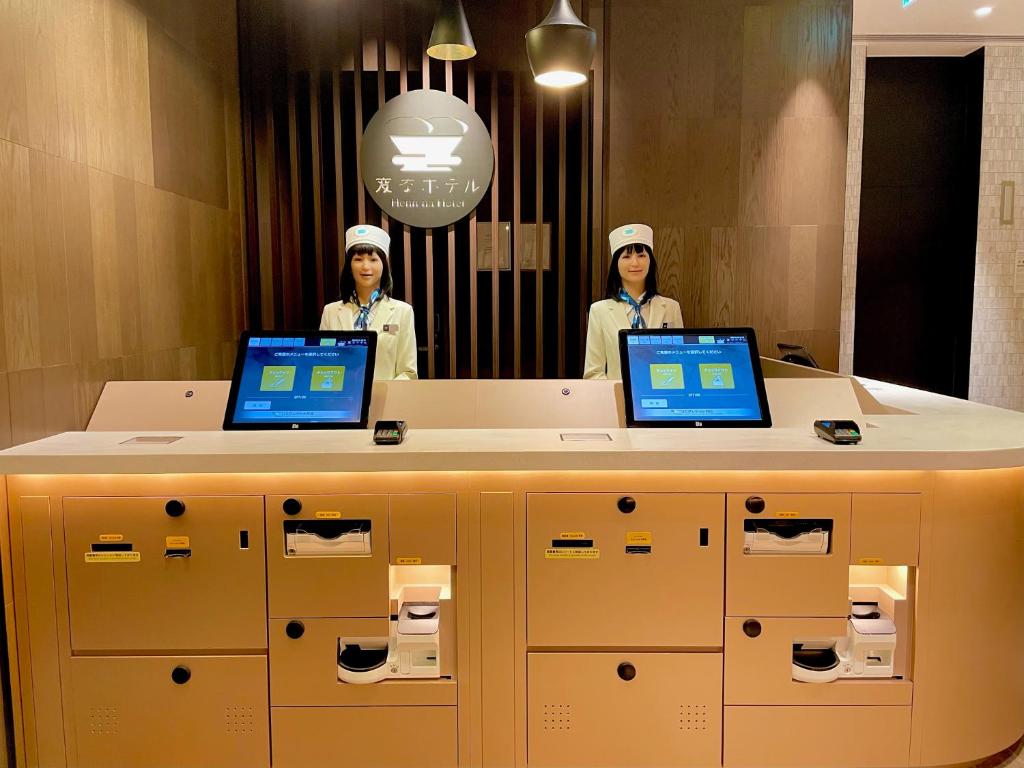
(626, 505)
(295, 629)
(292, 506)
(752, 628)
(181, 674)
(755, 505)
(175, 508)
(626, 671)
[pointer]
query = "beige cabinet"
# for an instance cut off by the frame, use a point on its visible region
(422, 528)
(616, 709)
(817, 737)
(169, 712)
(150, 574)
(759, 661)
(787, 554)
(886, 529)
(365, 737)
(623, 570)
(325, 579)
(304, 665)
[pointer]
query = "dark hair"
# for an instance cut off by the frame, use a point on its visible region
(615, 279)
(347, 283)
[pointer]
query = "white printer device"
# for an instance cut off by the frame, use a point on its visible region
(867, 651)
(411, 651)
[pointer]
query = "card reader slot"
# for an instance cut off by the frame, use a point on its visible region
(120, 546)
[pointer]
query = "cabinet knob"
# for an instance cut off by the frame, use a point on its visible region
(626, 671)
(626, 504)
(181, 675)
(755, 505)
(175, 508)
(295, 629)
(292, 506)
(752, 628)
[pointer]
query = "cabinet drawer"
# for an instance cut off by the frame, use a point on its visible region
(328, 581)
(886, 529)
(367, 737)
(758, 670)
(618, 570)
(422, 529)
(190, 574)
(304, 665)
(584, 710)
(130, 711)
(787, 555)
(817, 737)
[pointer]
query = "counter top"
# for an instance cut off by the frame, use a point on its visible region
(940, 434)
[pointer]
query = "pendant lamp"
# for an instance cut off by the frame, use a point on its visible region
(451, 39)
(561, 48)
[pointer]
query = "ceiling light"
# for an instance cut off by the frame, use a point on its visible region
(561, 48)
(451, 39)
(983, 11)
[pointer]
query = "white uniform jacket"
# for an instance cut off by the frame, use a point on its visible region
(396, 334)
(610, 316)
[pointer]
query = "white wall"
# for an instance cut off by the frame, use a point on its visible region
(997, 345)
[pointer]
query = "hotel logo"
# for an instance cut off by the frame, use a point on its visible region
(427, 159)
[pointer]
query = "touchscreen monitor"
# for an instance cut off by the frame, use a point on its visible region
(692, 377)
(302, 380)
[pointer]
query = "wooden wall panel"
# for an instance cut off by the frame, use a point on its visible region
(728, 136)
(189, 152)
(470, 318)
(120, 201)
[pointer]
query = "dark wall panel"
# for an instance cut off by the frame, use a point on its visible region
(919, 218)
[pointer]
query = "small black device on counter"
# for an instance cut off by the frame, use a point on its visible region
(389, 432)
(838, 432)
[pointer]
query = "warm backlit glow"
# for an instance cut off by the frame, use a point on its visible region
(561, 79)
(983, 11)
(451, 52)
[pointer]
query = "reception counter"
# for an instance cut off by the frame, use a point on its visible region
(601, 596)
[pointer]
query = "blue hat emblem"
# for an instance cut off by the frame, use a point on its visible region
(629, 231)
(361, 231)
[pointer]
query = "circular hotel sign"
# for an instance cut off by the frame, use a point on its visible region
(427, 159)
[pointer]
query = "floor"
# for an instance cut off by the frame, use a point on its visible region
(1010, 758)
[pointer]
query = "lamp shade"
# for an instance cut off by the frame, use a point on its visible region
(451, 39)
(561, 48)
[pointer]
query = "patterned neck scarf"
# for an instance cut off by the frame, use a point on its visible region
(635, 306)
(362, 321)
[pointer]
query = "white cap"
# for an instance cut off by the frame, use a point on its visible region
(366, 234)
(631, 234)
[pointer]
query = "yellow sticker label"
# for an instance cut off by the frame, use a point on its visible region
(871, 561)
(409, 561)
(177, 542)
(788, 514)
(113, 557)
(328, 514)
(639, 538)
(568, 553)
(111, 537)
(572, 535)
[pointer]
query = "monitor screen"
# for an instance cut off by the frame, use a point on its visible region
(693, 378)
(302, 380)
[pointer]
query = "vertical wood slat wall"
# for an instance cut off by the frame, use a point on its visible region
(312, 78)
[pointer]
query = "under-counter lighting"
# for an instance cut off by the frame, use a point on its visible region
(983, 11)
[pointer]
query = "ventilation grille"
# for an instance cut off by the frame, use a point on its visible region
(104, 721)
(557, 717)
(239, 721)
(693, 717)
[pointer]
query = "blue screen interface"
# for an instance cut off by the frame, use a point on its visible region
(302, 381)
(685, 377)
